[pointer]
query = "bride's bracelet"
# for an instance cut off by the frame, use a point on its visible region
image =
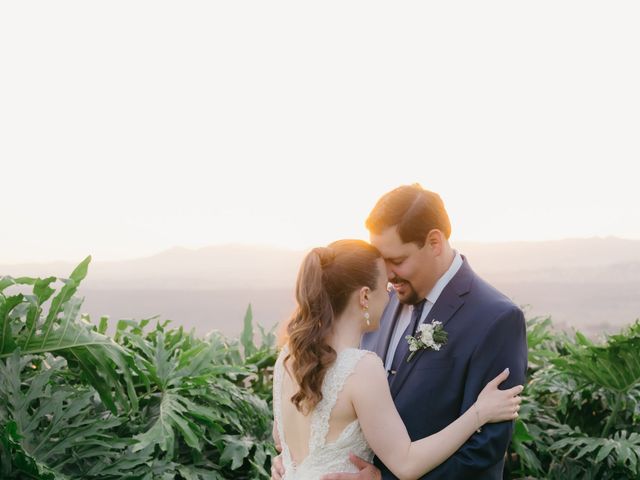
(479, 423)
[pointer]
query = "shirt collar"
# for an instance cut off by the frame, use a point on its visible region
(446, 277)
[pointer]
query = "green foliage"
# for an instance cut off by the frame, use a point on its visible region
(580, 413)
(147, 403)
(94, 356)
(154, 402)
(14, 461)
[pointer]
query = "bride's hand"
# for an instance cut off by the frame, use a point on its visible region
(495, 405)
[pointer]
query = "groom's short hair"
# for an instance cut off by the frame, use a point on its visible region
(414, 212)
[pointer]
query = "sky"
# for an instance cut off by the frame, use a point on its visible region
(130, 127)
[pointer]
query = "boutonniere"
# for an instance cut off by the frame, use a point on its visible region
(429, 335)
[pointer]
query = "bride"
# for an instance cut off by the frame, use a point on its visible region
(331, 398)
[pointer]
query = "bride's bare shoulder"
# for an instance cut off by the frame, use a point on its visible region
(369, 364)
(369, 377)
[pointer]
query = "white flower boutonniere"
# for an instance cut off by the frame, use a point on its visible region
(429, 335)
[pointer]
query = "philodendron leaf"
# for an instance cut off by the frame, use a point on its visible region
(69, 289)
(103, 362)
(7, 342)
(246, 337)
(235, 450)
(170, 417)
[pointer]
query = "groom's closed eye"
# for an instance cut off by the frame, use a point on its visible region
(396, 261)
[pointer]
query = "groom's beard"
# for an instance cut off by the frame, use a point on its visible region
(409, 296)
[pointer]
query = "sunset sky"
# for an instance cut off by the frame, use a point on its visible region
(127, 128)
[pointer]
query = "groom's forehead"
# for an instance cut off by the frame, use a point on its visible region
(390, 244)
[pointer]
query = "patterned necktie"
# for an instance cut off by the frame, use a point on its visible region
(403, 346)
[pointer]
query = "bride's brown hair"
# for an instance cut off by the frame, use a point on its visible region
(327, 278)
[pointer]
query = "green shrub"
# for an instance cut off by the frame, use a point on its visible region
(153, 402)
(156, 404)
(580, 416)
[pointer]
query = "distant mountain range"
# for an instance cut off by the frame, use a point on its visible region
(591, 284)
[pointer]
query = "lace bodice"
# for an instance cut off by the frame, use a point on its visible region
(323, 457)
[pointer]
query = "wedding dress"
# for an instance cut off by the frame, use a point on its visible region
(323, 457)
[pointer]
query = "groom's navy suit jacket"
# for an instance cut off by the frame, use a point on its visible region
(486, 334)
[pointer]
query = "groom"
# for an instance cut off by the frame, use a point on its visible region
(486, 333)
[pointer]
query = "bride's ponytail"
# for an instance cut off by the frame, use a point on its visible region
(327, 278)
(309, 324)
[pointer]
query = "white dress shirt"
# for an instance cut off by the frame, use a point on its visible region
(404, 317)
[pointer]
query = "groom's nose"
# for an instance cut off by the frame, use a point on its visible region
(391, 275)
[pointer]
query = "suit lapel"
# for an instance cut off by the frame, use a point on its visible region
(448, 303)
(388, 320)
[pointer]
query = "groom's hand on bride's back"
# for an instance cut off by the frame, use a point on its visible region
(368, 471)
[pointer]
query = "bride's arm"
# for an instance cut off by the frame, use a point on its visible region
(386, 433)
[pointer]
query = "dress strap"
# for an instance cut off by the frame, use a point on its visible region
(334, 381)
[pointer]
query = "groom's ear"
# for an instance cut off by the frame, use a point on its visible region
(435, 240)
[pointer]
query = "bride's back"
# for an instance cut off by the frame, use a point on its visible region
(320, 441)
(329, 277)
(297, 426)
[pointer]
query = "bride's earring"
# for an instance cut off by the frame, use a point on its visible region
(367, 316)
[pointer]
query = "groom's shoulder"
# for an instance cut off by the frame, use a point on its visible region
(489, 298)
(493, 311)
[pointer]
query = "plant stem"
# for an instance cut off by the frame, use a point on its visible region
(613, 415)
